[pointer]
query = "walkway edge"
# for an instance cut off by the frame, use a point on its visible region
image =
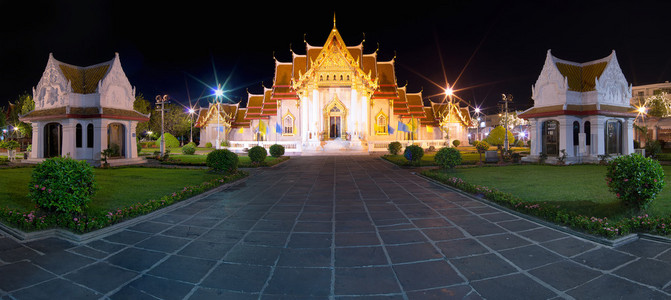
(604, 241)
(85, 237)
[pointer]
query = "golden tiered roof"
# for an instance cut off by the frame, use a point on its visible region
(84, 80)
(581, 78)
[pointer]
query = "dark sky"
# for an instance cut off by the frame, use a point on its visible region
(497, 46)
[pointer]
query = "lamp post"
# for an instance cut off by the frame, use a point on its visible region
(161, 100)
(217, 100)
(506, 99)
(477, 125)
(191, 112)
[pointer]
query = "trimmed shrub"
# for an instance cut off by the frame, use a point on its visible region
(652, 148)
(188, 149)
(225, 144)
(115, 150)
(394, 148)
(448, 158)
(208, 145)
(257, 154)
(222, 160)
(456, 143)
(62, 184)
(276, 150)
(481, 147)
(170, 141)
(413, 154)
(634, 179)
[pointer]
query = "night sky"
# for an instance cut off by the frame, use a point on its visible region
(497, 46)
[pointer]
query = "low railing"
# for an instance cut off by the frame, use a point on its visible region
(241, 146)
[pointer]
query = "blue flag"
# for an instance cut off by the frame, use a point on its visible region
(221, 128)
(278, 128)
(390, 129)
(402, 127)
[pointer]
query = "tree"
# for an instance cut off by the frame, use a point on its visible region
(142, 106)
(176, 120)
(658, 105)
(23, 105)
(497, 138)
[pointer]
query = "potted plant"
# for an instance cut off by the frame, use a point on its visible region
(10, 145)
(561, 159)
(106, 154)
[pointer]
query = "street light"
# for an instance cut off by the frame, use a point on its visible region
(191, 112)
(161, 100)
(218, 93)
(506, 98)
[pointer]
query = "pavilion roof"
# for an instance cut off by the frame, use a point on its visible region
(83, 113)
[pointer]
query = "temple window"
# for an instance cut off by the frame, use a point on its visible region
(78, 135)
(89, 136)
(288, 125)
(381, 123)
(613, 137)
(576, 131)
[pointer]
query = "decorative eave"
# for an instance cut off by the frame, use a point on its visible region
(579, 110)
(63, 112)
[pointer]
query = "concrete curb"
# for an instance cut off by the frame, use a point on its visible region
(85, 237)
(604, 241)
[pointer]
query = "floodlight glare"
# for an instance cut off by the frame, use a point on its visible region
(218, 93)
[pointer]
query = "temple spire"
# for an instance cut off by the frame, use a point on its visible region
(334, 21)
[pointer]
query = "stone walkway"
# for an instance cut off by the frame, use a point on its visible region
(335, 228)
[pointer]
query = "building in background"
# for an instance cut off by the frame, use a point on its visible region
(334, 98)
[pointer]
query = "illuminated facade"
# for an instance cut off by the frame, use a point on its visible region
(80, 111)
(582, 109)
(334, 98)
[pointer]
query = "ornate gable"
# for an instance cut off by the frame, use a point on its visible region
(53, 87)
(612, 86)
(115, 89)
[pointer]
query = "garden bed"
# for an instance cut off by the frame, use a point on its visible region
(199, 160)
(575, 196)
(123, 193)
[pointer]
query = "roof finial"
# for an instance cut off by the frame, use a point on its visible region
(334, 20)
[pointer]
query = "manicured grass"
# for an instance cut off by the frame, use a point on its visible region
(118, 187)
(196, 159)
(579, 188)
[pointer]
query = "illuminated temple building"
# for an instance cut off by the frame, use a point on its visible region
(333, 98)
(581, 110)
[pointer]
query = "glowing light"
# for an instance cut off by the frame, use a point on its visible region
(449, 91)
(477, 110)
(641, 110)
(191, 111)
(218, 92)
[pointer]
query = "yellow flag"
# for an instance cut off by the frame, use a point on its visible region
(429, 128)
(262, 127)
(241, 130)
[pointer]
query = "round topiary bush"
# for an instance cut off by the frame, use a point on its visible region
(276, 150)
(62, 184)
(413, 154)
(170, 141)
(257, 154)
(456, 143)
(635, 179)
(394, 148)
(208, 145)
(222, 160)
(448, 158)
(188, 149)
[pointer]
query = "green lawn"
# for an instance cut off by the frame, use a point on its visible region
(118, 187)
(581, 188)
(243, 161)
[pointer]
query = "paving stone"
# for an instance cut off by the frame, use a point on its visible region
(453, 292)
(543, 234)
(412, 252)
(21, 274)
(89, 252)
(150, 227)
(354, 226)
(61, 262)
(161, 288)
(441, 234)
(206, 250)
(485, 228)
(101, 277)
(482, 266)
(56, 289)
(569, 246)
(183, 268)
(604, 258)
(316, 257)
(518, 225)
(184, 231)
(402, 236)
(216, 294)
(644, 248)
(611, 287)
(49, 245)
(274, 225)
(323, 227)
(171, 218)
(426, 275)
(237, 277)
(360, 257)
(253, 255)
(564, 274)
(647, 271)
(105, 246)
(127, 237)
(310, 240)
(136, 259)
(236, 225)
(300, 282)
(528, 257)
(17, 254)
(461, 247)
(503, 241)
(365, 281)
(222, 236)
(269, 239)
(344, 239)
(163, 243)
(433, 222)
(514, 286)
